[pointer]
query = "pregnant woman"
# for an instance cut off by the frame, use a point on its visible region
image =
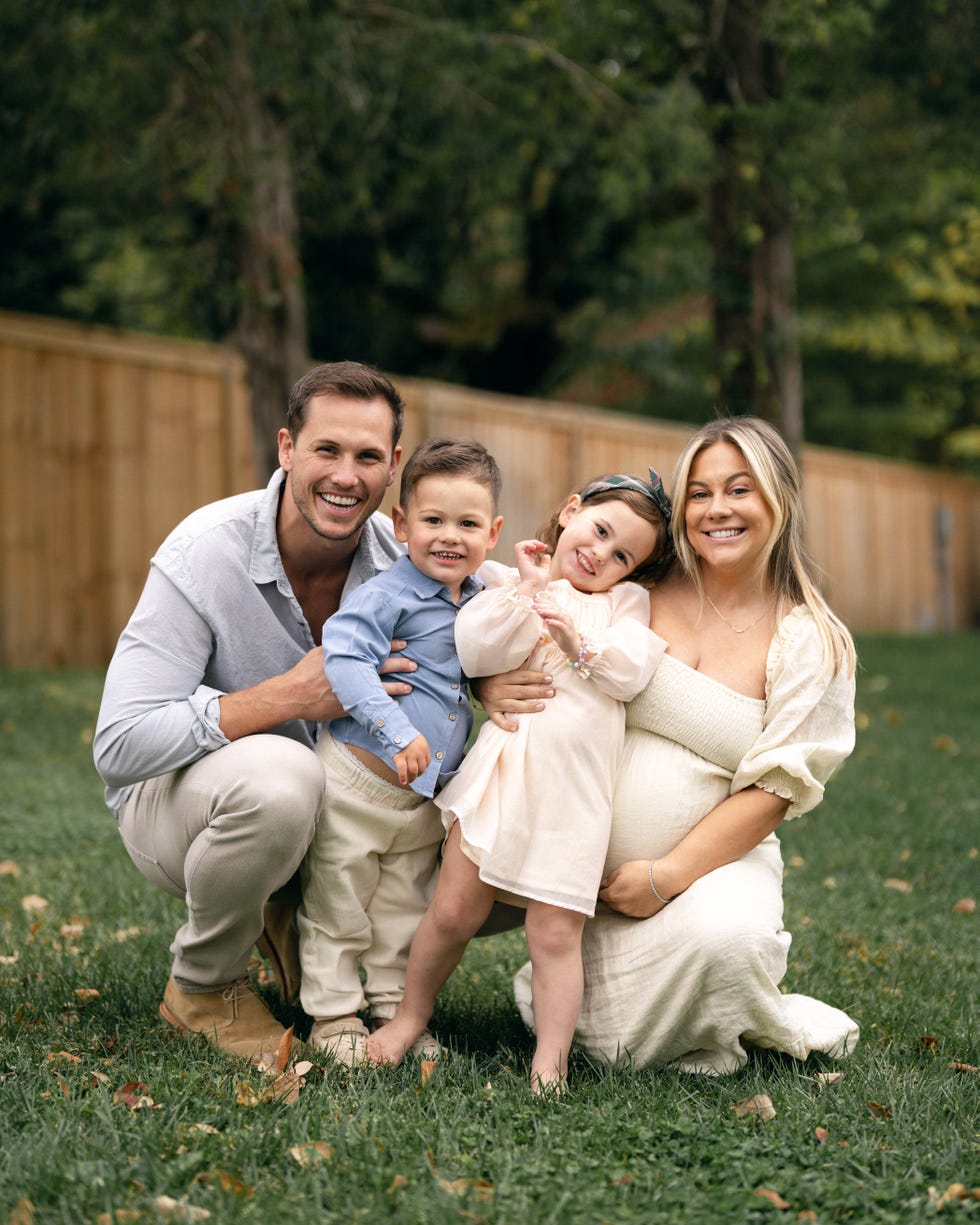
(749, 714)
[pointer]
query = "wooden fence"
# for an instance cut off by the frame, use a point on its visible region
(107, 440)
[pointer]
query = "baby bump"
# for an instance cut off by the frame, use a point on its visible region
(661, 792)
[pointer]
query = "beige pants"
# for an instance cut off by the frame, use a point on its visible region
(225, 833)
(367, 879)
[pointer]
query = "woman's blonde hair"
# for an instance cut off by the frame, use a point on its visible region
(792, 574)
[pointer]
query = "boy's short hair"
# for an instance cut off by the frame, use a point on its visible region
(450, 457)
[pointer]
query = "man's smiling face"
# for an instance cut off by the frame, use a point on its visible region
(340, 463)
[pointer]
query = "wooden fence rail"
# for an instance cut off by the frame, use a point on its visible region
(108, 439)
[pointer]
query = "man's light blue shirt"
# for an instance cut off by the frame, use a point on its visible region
(217, 615)
(401, 603)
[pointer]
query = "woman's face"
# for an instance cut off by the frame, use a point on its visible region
(727, 520)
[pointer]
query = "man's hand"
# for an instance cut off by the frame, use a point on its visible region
(517, 692)
(412, 760)
(301, 693)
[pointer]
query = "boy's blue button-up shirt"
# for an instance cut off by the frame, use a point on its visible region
(401, 603)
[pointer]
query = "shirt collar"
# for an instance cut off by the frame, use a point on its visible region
(265, 564)
(425, 586)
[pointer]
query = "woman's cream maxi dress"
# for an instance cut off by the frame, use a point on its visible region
(693, 982)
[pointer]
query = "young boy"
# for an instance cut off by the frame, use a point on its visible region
(370, 872)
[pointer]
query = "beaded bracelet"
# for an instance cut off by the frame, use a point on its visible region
(653, 888)
(582, 652)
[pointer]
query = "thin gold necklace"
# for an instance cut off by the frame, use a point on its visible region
(745, 629)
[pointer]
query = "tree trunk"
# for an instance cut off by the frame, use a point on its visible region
(271, 330)
(751, 225)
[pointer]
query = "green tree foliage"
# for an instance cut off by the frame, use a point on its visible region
(522, 196)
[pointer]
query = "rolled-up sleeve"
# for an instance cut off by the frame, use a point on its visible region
(356, 642)
(809, 721)
(156, 715)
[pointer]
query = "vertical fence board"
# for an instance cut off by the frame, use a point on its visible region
(108, 439)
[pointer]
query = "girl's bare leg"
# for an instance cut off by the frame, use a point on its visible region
(554, 940)
(461, 905)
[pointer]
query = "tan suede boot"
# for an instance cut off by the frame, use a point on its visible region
(234, 1020)
(279, 944)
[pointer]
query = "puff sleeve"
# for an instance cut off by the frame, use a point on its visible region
(497, 629)
(808, 728)
(627, 651)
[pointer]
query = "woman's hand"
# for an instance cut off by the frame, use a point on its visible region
(517, 692)
(627, 890)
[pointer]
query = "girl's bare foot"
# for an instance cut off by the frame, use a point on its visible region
(548, 1081)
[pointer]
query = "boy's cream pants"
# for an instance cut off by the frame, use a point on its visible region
(367, 879)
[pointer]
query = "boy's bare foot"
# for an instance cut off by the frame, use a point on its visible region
(392, 1040)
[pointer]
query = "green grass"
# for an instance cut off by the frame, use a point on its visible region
(472, 1144)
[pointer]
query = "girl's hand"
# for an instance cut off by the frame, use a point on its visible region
(533, 564)
(627, 890)
(560, 626)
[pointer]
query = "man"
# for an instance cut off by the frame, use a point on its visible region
(208, 719)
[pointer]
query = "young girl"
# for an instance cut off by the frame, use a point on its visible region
(528, 815)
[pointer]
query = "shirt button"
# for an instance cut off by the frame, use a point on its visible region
(381, 723)
(454, 686)
(438, 756)
(398, 740)
(452, 718)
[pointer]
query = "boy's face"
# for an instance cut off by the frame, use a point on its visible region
(449, 527)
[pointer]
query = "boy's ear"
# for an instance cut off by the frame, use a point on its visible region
(399, 523)
(497, 524)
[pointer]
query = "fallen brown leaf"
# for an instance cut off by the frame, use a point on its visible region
(807, 1214)
(899, 885)
(23, 1213)
(828, 1079)
(34, 904)
(966, 905)
(761, 1105)
(879, 1111)
(928, 1042)
(85, 995)
(134, 1094)
(66, 1055)
(963, 1067)
(773, 1197)
(955, 1193)
(315, 1152)
(179, 1210)
(822, 1134)
(245, 1095)
(119, 1216)
(9, 868)
(462, 1186)
(946, 744)
(226, 1182)
(397, 1183)
(284, 1088)
(426, 1068)
(285, 1047)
